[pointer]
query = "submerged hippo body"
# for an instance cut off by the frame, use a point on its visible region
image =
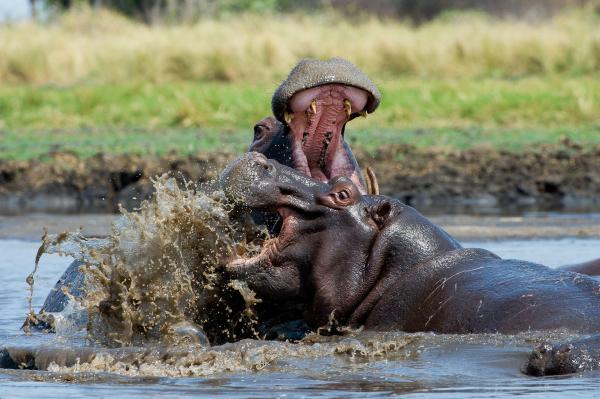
(70, 285)
(565, 358)
(372, 261)
(73, 280)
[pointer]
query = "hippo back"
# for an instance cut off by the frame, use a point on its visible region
(73, 280)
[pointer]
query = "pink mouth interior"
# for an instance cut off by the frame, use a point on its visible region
(318, 118)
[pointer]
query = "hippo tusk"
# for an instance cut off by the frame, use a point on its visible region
(288, 116)
(313, 106)
(364, 113)
(348, 107)
(372, 184)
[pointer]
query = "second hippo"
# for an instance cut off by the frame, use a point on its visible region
(374, 262)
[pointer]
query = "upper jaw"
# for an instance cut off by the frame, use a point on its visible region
(310, 73)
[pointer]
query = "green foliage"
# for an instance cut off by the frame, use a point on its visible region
(417, 10)
(151, 11)
(206, 116)
(545, 102)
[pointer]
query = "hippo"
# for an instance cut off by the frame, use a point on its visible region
(72, 281)
(311, 108)
(313, 95)
(373, 262)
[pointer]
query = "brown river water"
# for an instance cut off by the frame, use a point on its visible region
(188, 235)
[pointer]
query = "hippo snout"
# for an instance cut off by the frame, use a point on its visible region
(252, 181)
(245, 171)
(261, 161)
(256, 182)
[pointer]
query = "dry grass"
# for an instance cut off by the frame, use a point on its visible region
(105, 48)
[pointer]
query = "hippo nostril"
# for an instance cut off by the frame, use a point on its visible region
(268, 167)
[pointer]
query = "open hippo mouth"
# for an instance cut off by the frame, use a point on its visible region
(260, 184)
(279, 239)
(315, 102)
(318, 219)
(316, 118)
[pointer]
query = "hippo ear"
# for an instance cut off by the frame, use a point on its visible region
(380, 212)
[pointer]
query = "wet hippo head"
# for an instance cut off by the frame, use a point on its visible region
(307, 255)
(258, 183)
(311, 108)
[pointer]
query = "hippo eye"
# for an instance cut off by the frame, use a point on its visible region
(344, 195)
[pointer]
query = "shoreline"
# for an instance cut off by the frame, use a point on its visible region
(462, 227)
(563, 177)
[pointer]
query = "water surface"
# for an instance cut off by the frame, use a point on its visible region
(426, 365)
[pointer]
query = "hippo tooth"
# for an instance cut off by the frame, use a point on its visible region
(313, 106)
(348, 107)
(288, 116)
(364, 113)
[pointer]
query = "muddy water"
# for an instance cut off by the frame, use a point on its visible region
(154, 279)
(357, 365)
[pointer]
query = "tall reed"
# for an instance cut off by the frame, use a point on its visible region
(84, 46)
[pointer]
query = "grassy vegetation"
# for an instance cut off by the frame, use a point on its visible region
(92, 83)
(86, 47)
(191, 117)
(37, 144)
(550, 101)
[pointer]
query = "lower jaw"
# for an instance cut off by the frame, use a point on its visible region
(327, 171)
(272, 246)
(323, 156)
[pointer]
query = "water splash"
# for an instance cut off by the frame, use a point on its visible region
(158, 276)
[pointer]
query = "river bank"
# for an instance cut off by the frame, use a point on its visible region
(561, 177)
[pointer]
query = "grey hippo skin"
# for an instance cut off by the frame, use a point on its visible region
(591, 268)
(311, 107)
(566, 358)
(296, 137)
(374, 262)
(71, 281)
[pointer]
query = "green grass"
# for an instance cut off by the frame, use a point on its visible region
(32, 144)
(37, 144)
(202, 117)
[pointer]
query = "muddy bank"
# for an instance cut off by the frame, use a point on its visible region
(65, 183)
(542, 178)
(435, 180)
